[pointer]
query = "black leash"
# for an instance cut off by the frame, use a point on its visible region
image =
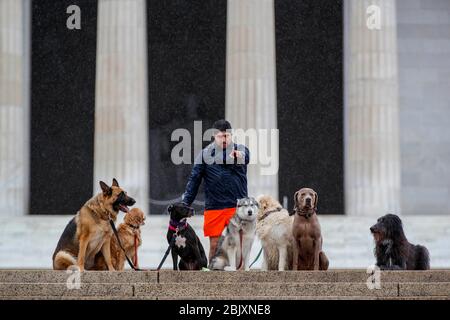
(120, 245)
(172, 242)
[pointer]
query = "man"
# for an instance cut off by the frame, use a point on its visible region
(223, 167)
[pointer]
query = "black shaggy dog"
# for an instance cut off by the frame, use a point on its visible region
(392, 249)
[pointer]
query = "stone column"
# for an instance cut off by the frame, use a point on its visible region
(372, 163)
(251, 82)
(14, 107)
(121, 123)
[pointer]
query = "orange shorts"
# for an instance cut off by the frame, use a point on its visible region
(216, 220)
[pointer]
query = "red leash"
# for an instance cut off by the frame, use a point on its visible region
(135, 260)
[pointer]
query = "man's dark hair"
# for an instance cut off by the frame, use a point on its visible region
(222, 125)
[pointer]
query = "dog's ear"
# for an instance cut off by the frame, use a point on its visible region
(296, 199)
(115, 183)
(170, 208)
(105, 188)
(295, 203)
(316, 200)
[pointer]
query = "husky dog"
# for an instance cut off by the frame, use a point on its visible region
(236, 241)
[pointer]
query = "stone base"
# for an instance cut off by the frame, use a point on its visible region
(336, 284)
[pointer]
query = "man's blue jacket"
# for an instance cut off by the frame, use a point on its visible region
(225, 177)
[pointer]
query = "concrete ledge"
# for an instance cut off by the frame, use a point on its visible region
(360, 276)
(228, 298)
(61, 290)
(167, 276)
(425, 289)
(51, 276)
(272, 289)
(332, 284)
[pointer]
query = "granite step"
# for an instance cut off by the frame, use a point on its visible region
(165, 284)
(216, 290)
(224, 298)
(168, 276)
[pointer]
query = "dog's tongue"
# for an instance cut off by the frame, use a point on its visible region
(124, 208)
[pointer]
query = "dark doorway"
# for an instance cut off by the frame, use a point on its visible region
(309, 51)
(186, 50)
(62, 106)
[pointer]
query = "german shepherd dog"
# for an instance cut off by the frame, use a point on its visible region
(90, 232)
(187, 245)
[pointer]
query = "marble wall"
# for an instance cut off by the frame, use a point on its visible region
(423, 30)
(14, 106)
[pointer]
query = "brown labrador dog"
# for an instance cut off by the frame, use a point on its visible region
(307, 249)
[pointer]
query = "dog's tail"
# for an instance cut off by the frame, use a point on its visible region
(63, 260)
(422, 258)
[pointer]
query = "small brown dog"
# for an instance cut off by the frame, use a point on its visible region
(307, 249)
(130, 237)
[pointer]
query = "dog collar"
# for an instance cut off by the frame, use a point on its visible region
(177, 226)
(133, 226)
(265, 215)
(306, 214)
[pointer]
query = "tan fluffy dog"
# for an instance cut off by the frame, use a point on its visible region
(274, 229)
(130, 237)
(308, 254)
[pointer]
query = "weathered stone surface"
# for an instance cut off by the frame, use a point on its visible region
(359, 276)
(425, 289)
(333, 284)
(50, 276)
(168, 276)
(272, 289)
(61, 290)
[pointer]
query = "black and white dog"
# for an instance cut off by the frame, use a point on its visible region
(392, 249)
(184, 240)
(237, 239)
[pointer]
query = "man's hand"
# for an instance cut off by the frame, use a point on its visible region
(236, 154)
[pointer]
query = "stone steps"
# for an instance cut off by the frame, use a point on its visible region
(333, 284)
(224, 298)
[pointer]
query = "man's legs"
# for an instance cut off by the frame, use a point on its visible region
(213, 241)
(214, 223)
